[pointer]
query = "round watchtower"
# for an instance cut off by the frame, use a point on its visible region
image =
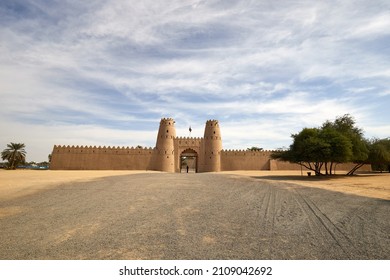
(212, 147)
(165, 160)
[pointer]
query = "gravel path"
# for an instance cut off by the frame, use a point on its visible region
(193, 216)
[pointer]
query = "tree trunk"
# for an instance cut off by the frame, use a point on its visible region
(13, 160)
(318, 166)
(308, 166)
(356, 167)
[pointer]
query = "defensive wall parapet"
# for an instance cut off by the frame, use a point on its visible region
(101, 158)
(260, 153)
(188, 141)
(188, 138)
(58, 149)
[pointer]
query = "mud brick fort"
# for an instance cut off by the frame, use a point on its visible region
(171, 154)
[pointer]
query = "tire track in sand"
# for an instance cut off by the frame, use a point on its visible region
(268, 210)
(323, 226)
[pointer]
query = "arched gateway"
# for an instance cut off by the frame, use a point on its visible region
(203, 153)
(189, 161)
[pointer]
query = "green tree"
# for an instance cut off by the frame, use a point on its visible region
(305, 150)
(15, 154)
(254, 149)
(338, 149)
(346, 125)
(379, 155)
(323, 148)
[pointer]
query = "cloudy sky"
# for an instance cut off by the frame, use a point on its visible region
(104, 72)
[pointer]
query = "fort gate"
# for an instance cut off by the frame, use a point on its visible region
(189, 161)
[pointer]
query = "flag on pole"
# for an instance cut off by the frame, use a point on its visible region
(190, 129)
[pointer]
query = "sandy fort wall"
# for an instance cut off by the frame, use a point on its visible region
(102, 158)
(166, 156)
(245, 160)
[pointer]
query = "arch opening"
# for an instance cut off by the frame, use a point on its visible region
(189, 161)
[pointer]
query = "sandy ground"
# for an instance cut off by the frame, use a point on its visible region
(152, 215)
(376, 185)
(25, 182)
(18, 183)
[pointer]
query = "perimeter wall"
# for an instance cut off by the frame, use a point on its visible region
(125, 158)
(245, 160)
(102, 158)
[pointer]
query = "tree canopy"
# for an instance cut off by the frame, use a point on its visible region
(321, 149)
(254, 149)
(379, 155)
(15, 154)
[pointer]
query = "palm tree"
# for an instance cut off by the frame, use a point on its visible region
(15, 154)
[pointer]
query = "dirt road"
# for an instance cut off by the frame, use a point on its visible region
(192, 216)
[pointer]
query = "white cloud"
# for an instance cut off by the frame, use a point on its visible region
(108, 65)
(40, 139)
(378, 25)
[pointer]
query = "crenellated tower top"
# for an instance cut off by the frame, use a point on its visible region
(212, 130)
(212, 122)
(169, 121)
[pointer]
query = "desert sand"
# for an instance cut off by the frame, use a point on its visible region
(24, 182)
(228, 215)
(369, 184)
(16, 183)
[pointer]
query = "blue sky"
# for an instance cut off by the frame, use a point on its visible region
(104, 72)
